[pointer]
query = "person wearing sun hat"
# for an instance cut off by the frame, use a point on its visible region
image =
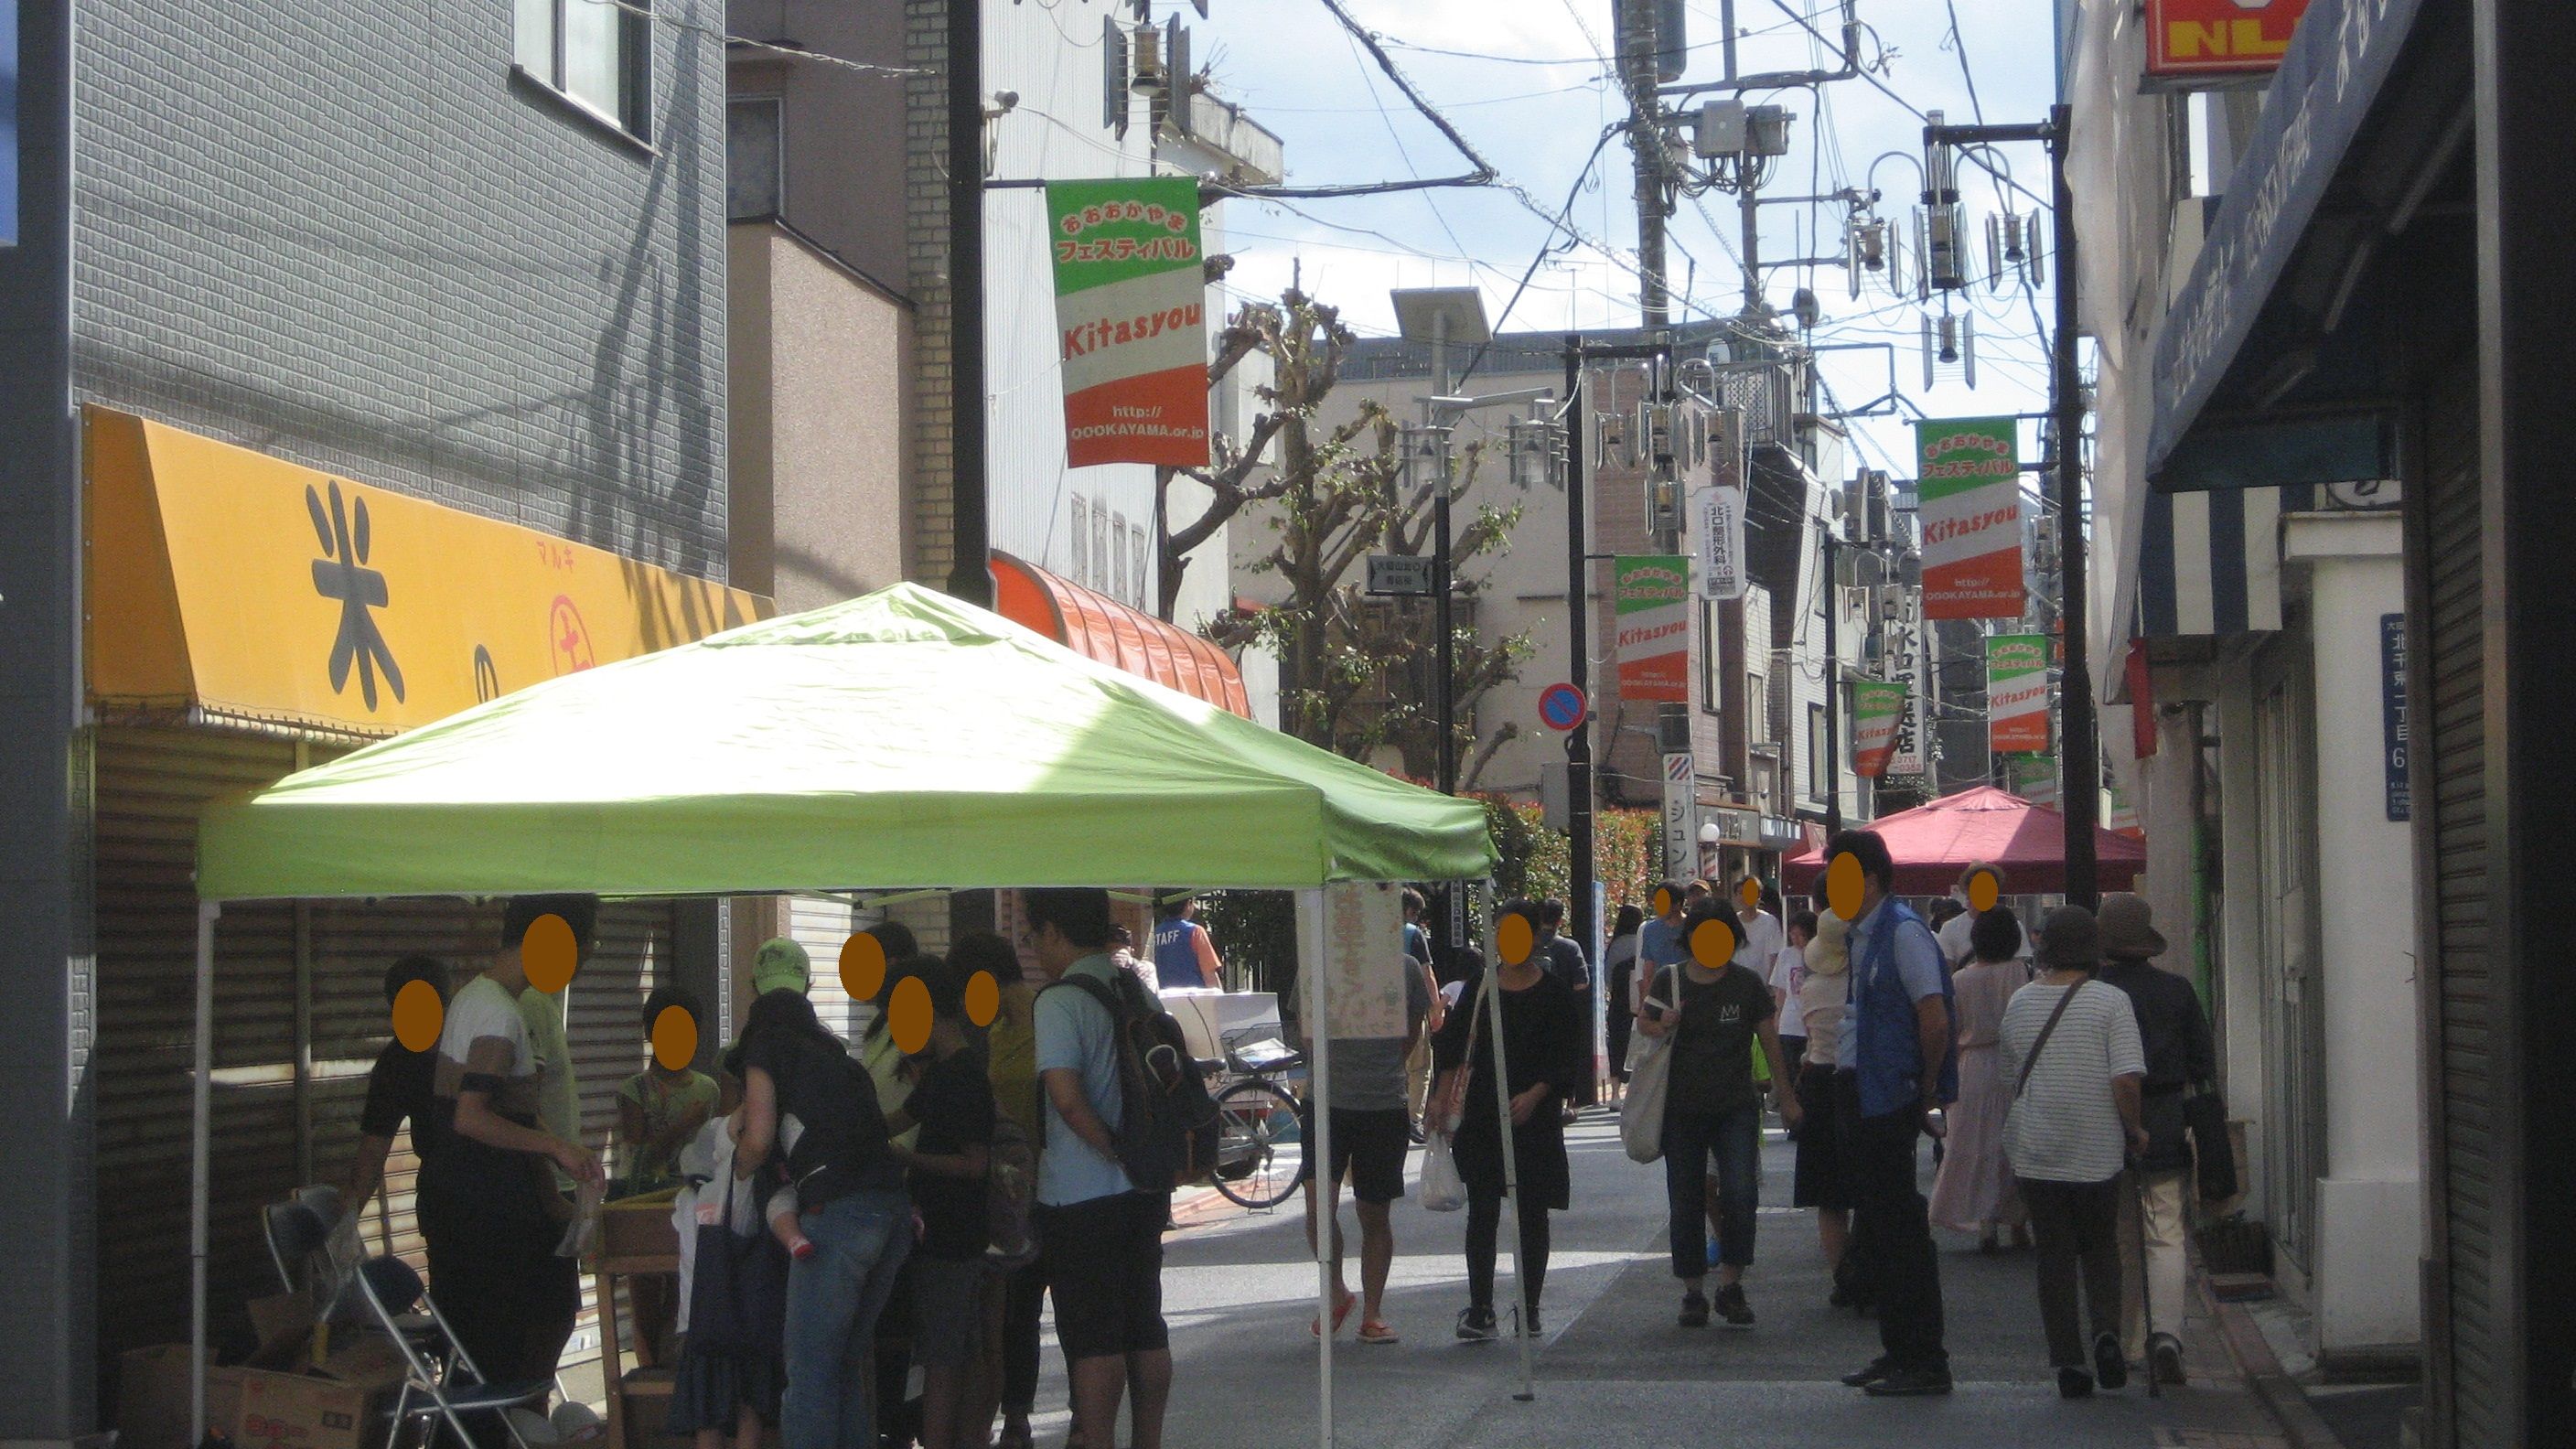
(2069, 1046)
(2175, 1034)
(781, 964)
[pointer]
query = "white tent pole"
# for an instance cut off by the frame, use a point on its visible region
(1312, 926)
(1503, 1124)
(199, 1157)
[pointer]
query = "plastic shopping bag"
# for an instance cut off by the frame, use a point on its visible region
(1443, 1190)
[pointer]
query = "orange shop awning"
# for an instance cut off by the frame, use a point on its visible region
(1107, 630)
(237, 586)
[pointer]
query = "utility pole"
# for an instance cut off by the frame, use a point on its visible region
(1833, 761)
(1578, 605)
(1636, 41)
(2079, 751)
(970, 572)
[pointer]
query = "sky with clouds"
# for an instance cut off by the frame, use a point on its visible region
(1525, 81)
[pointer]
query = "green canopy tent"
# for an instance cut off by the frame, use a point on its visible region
(899, 740)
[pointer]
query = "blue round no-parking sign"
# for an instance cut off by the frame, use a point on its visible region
(1562, 706)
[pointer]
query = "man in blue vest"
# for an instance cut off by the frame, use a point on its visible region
(1897, 1044)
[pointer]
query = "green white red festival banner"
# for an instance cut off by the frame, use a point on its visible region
(1131, 305)
(1652, 596)
(2017, 693)
(1878, 706)
(1968, 483)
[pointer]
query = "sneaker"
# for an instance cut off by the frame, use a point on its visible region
(2164, 1358)
(1476, 1325)
(1870, 1373)
(2110, 1366)
(1530, 1326)
(1910, 1384)
(1694, 1309)
(2074, 1383)
(1732, 1307)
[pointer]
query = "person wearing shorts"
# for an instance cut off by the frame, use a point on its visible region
(1372, 1131)
(1100, 1238)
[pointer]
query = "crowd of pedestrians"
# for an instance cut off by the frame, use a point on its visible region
(1869, 1030)
(867, 1212)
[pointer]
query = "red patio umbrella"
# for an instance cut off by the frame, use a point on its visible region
(1933, 843)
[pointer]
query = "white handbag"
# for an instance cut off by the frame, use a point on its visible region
(1443, 1190)
(1650, 1065)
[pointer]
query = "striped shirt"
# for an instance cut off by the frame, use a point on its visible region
(2065, 1126)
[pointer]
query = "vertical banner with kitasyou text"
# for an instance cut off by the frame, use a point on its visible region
(1131, 306)
(2017, 693)
(1968, 483)
(1652, 597)
(1878, 707)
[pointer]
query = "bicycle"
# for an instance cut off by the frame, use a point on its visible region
(1254, 1116)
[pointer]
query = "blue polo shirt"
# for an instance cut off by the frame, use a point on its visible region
(1076, 1033)
(1661, 943)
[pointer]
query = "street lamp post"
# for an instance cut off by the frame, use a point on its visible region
(2079, 751)
(1833, 680)
(1440, 316)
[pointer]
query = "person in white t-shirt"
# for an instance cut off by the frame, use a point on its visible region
(2069, 1046)
(490, 1214)
(1956, 948)
(1788, 976)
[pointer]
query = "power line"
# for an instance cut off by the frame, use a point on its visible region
(715, 32)
(1883, 88)
(1545, 248)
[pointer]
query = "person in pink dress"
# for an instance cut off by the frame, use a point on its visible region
(1974, 1191)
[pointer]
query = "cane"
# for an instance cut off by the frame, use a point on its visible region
(2146, 1284)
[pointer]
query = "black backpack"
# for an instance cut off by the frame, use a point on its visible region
(1166, 1134)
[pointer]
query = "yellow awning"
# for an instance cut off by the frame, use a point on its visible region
(248, 588)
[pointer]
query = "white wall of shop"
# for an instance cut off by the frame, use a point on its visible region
(1055, 131)
(2370, 1198)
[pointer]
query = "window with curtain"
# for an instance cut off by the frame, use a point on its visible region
(1144, 551)
(594, 53)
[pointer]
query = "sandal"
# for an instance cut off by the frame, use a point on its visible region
(1341, 1315)
(1378, 1330)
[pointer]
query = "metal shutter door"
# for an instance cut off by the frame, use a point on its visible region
(150, 785)
(2480, 1361)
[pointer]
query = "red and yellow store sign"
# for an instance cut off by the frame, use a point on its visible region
(2187, 38)
(247, 588)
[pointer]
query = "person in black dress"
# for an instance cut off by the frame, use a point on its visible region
(1619, 995)
(1544, 1050)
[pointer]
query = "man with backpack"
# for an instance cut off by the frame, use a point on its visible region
(1100, 1231)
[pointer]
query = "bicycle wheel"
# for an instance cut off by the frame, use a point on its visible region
(1254, 1117)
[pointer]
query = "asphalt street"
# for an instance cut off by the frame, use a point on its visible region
(1614, 1367)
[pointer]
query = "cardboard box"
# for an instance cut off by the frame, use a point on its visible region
(318, 1410)
(639, 1227)
(152, 1397)
(283, 1323)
